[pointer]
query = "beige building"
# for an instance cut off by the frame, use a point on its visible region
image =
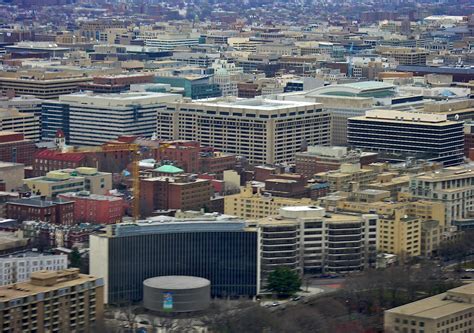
(406, 228)
(12, 174)
(70, 180)
(250, 206)
(404, 55)
(451, 311)
(262, 130)
(15, 121)
(52, 301)
(453, 186)
(348, 178)
(40, 84)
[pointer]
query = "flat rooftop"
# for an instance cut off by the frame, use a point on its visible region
(253, 104)
(114, 99)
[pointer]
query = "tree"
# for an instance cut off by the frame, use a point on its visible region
(75, 258)
(284, 281)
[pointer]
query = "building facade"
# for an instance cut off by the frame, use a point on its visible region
(85, 115)
(451, 311)
(58, 211)
(19, 268)
(264, 131)
(307, 240)
(15, 148)
(221, 251)
(397, 135)
(52, 301)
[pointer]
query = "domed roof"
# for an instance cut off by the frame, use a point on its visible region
(169, 169)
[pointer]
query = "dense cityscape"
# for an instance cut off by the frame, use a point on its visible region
(256, 166)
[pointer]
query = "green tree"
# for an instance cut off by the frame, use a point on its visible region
(284, 281)
(75, 258)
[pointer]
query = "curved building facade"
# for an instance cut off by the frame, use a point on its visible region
(176, 293)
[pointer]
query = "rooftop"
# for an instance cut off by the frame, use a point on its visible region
(254, 104)
(176, 282)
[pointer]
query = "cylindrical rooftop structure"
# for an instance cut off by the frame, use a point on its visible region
(176, 293)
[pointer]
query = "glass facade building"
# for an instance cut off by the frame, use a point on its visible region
(224, 253)
(397, 135)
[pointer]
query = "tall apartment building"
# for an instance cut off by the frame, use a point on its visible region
(82, 116)
(219, 249)
(451, 311)
(16, 269)
(14, 121)
(250, 206)
(52, 301)
(397, 135)
(452, 186)
(307, 240)
(264, 131)
(41, 85)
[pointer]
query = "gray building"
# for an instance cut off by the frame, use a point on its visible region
(221, 250)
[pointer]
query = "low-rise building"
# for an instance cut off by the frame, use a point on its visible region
(451, 311)
(249, 205)
(57, 211)
(44, 302)
(11, 176)
(94, 208)
(348, 177)
(15, 148)
(14, 269)
(70, 180)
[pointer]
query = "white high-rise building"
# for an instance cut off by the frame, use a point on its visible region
(93, 119)
(264, 131)
(19, 269)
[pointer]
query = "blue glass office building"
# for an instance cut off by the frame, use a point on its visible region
(223, 252)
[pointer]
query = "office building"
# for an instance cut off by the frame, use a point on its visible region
(167, 41)
(405, 55)
(447, 312)
(264, 131)
(27, 124)
(15, 148)
(82, 116)
(40, 85)
(307, 240)
(219, 249)
(250, 206)
(425, 136)
(18, 268)
(57, 211)
(452, 186)
(94, 208)
(70, 180)
(52, 301)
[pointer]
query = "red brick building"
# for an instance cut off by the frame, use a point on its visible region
(468, 143)
(248, 90)
(165, 193)
(15, 148)
(49, 160)
(183, 154)
(58, 211)
(216, 162)
(97, 209)
(115, 83)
